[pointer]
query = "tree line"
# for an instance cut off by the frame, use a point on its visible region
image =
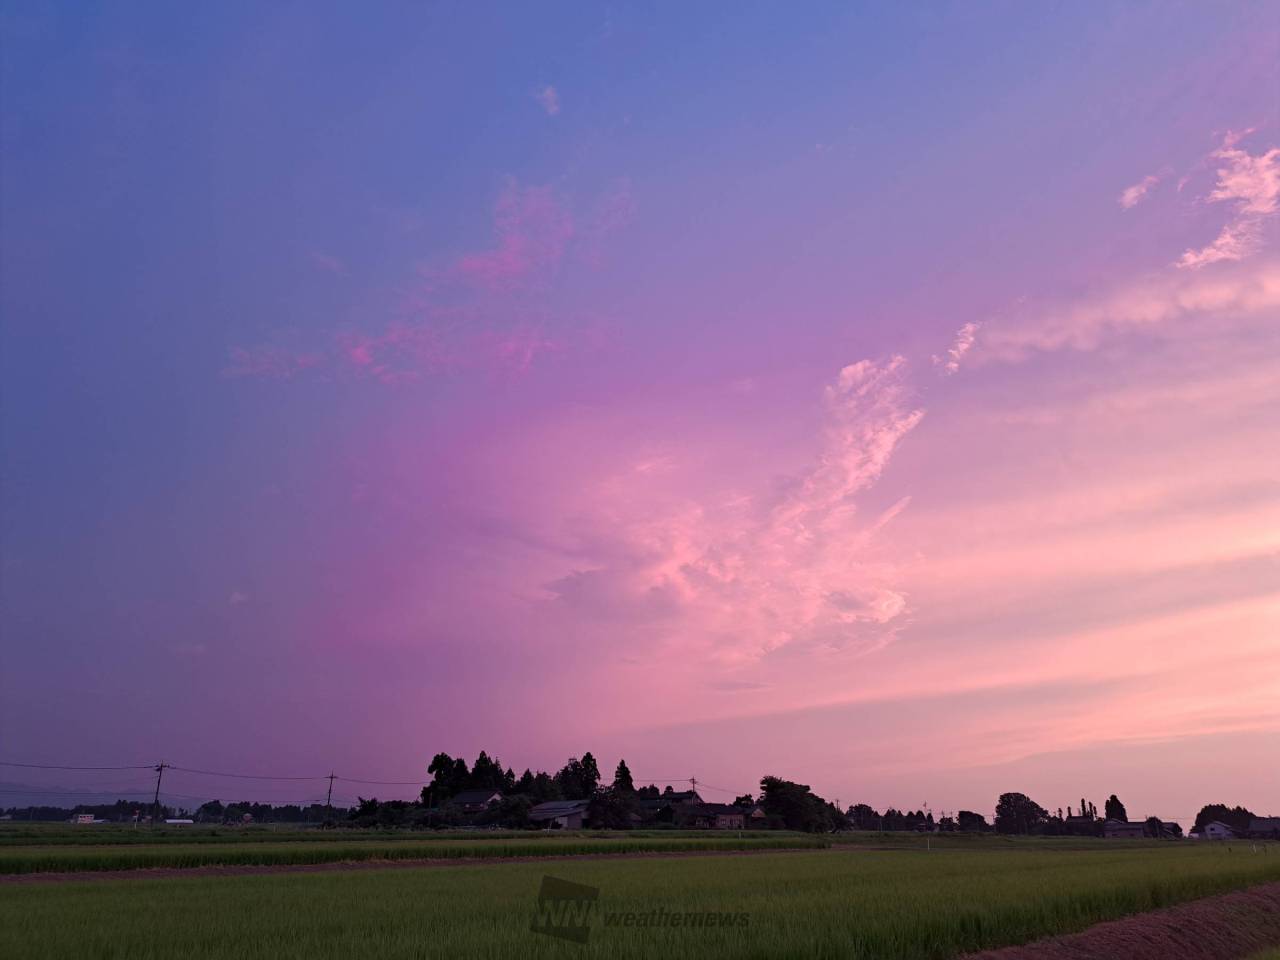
(617, 804)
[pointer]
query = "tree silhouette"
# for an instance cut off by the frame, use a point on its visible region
(622, 781)
(1115, 810)
(1018, 813)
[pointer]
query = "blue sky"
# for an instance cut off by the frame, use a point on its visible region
(385, 348)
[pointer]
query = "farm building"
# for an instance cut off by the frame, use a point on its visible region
(1083, 826)
(1217, 830)
(715, 816)
(1265, 828)
(567, 814)
(1120, 830)
(667, 807)
(475, 801)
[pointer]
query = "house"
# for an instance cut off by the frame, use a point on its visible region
(1081, 826)
(1120, 830)
(674, 798)
(565, 814)
(1264, 828)
(667, 807)
(1217, 830)
(475, 801)
(714, 816)
(755, 817)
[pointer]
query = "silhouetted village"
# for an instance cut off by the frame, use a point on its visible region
(488, 796)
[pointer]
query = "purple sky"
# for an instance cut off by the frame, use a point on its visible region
(887, 397)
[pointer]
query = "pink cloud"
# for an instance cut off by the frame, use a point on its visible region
(268, 363)
(533, 230)
(549, 99)
(1251, 184)
(516, 349)
(736, 575)
(329, 263)
(400, 353)
(1131, 196)
(1154, 305)
(477, 322)
(962, 344)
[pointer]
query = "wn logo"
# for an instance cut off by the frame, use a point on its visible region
(564, 909)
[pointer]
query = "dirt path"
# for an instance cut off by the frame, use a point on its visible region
(1224, 927)
(343, 866)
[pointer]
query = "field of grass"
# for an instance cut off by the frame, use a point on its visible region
(111, 834)
(60, 834)
(46, 858)
(905, 904)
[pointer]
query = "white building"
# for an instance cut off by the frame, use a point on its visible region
(1217, 830)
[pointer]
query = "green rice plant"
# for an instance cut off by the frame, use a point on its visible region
(843, 902)
(114, 834)
(70, 859)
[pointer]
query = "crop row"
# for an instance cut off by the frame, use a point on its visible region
(108, 858)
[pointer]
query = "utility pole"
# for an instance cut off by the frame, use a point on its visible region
(693, 784)
(155, 806)
(328, 800)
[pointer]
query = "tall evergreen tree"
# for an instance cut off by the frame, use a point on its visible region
(590, 774)
(622, 781)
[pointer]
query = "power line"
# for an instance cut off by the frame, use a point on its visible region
(240, 776)
(711, 786)
(317, 802)
(50, 766)
(71, 793)
(221, 773)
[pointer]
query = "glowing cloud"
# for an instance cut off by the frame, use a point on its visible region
(1251, 183)
(740, 576)
(1154, 305)
(1132, 196)
(962, 344)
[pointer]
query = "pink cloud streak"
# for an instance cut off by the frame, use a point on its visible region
(533, 229)
(736, 576)
(1251, 184)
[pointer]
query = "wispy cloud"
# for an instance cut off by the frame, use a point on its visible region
(267, 362)
(329, 263)
(738, 577)
(1152, 305)
(486, 309)
(1132, 196)
(1251, 184)
(533, 229)
(548, 98)
(516, 349)
(400, 353)
(963, 343)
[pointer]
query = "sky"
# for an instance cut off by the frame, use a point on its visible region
(882, 396)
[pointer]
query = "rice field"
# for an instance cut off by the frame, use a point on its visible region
(64, 858)
(113, 834)
(847, 901)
